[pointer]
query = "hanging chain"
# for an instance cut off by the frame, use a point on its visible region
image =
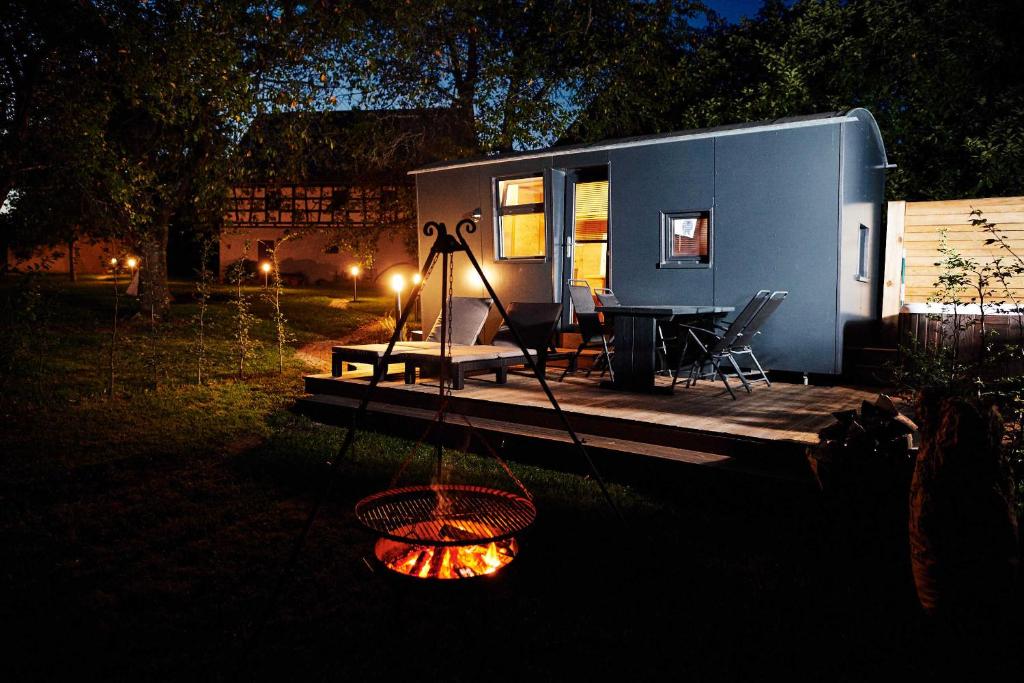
(450, 296)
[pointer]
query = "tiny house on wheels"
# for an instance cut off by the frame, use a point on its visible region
(700, 217)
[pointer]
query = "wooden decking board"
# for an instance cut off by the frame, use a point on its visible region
(530, 431)
(776, 422)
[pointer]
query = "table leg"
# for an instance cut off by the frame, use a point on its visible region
(634, 358)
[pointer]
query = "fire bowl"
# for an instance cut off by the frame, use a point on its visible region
(449, 531)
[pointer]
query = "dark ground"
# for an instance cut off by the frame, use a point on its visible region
(141, 537)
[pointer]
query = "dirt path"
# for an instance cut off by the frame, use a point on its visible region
(318, 353)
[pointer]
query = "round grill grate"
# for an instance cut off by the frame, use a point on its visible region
(447, 515)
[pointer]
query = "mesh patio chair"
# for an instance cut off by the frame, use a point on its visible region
(606, 297)
(713, 348)
(741, 347)
(593, 331)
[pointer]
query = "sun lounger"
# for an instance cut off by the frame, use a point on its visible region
(464, 360)
(535, 323)
(468, 317)
(373, 354)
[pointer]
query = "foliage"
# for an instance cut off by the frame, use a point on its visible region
(512, 69)
(990, 374)
(163, 91)
(940, 76)
(203, 288)
(24, 314)
(273, 295)
(244, 319)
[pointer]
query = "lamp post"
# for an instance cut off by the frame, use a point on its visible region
(354, 272)
(265, 267)
(398, 284)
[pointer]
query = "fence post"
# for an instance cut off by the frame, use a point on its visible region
(892, 276)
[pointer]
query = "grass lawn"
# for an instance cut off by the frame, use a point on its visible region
(142, 534)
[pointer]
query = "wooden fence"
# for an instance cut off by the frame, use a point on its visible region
(914, 233)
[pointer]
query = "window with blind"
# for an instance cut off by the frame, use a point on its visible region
(520, 225)
(590, 227)
(685, 239)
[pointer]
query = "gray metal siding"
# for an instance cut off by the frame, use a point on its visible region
(643, 182)
(863, 194)
(778, 197)
(776, 222)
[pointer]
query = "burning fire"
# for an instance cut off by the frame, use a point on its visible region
(444, 562)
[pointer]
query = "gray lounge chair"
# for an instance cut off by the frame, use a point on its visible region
(713, 348)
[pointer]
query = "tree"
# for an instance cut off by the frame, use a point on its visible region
(48, 51)
(940, 76)
(168, 87)
(515, 70)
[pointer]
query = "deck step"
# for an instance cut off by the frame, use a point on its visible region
(515, 439)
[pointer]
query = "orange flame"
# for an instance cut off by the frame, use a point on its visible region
(445, 562)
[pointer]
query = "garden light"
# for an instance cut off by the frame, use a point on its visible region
(354, 272)
(132, 262)
(265, 267)
(416, 278)
(113, 261)
(398, 284)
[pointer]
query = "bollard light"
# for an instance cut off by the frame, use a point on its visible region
(132, 262)
(354, 272)
(265, 267)
(398, 284)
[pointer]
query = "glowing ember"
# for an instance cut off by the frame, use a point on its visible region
(444, 562)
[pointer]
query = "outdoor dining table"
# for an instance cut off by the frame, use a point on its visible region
(634, 360)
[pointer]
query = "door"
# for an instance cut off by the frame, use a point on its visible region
(585, 250)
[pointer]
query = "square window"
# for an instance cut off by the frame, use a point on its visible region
(522, 233)
(685, 239)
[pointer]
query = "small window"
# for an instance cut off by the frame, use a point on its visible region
(685, 239)
(339, 198)
(520, 225)
(862, 260)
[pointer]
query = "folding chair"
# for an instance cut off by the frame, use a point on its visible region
(716, 348)
(591, 328)
(741, 346)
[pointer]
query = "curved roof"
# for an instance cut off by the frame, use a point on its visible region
(824, 118)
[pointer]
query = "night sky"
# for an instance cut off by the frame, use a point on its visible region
(734, 10)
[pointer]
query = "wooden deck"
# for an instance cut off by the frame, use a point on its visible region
(766, 431)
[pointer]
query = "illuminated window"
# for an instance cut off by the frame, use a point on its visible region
(521, 229)
(685, 239)
(590, 228)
